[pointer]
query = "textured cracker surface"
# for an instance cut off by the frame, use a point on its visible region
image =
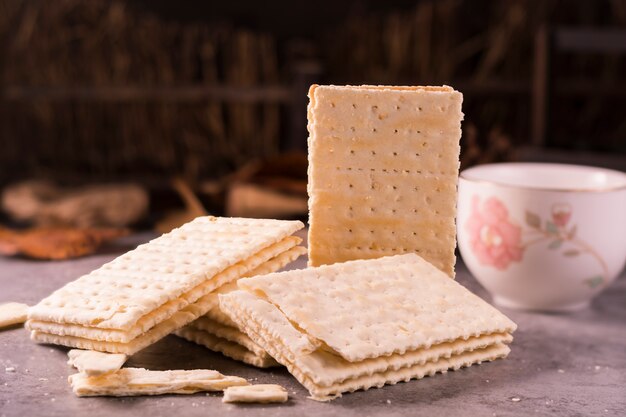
(267, 260)
(118, 294)
(327, 375)
(138, 381)
(368, 308)
(383, 169)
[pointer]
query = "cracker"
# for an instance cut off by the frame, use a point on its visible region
(121, 292)
(138, 381)
(261, 393)
(94, 363)
(383, 169)
(227, 348)
(178, 320)
(326, 375)
(265, 260)
(369, 308)
(12, 313)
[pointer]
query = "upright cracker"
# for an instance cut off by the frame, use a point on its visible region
(369, 308)
(120, 293)
(383, 169)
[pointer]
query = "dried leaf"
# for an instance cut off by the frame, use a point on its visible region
(55, 243)
(533, 220)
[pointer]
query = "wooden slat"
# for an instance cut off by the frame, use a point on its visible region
(189, 93)
(590, 40)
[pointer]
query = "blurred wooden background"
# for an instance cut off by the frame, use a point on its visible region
(107, 90)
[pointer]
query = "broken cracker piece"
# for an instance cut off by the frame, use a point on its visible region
(93, 363)
(261, 393)
(139, 381)
(12, 313)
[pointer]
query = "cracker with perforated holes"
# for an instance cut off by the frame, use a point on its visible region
(371, 320)
(260, 393)
(267, 260)
(151, 291)
(383, 170)
(226, 347)
(139, 381)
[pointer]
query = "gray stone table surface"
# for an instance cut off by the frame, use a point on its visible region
(568, 365)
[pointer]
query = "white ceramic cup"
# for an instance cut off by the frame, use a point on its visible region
(542, 236)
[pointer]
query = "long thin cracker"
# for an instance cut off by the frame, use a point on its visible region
(120, 293)
(266, 260)
(138, 381)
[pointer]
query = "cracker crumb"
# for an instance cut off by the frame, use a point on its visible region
(486, 380)
(53, 399)
(516, 399)
(388, 401)
(561, 371)
(43, 379)
(9, 369)
(597, 367)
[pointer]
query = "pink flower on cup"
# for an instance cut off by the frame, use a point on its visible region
(561, 214)
(493, 238)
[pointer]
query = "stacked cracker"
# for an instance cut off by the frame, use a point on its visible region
(383, 169)
(217, 332)
(147, 293)
(366, 323)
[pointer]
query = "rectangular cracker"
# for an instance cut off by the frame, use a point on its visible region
(12, 313)
(369, 308)
(268, 259)
(261, 393)
(121, 292)
(138, 381)
(93, 363)
(326, 375)
(383, 169)
(227, 348)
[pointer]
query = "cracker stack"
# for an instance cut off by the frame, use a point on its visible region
(147, 293)
(383, 170)
(367, 323)
(216, 331)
